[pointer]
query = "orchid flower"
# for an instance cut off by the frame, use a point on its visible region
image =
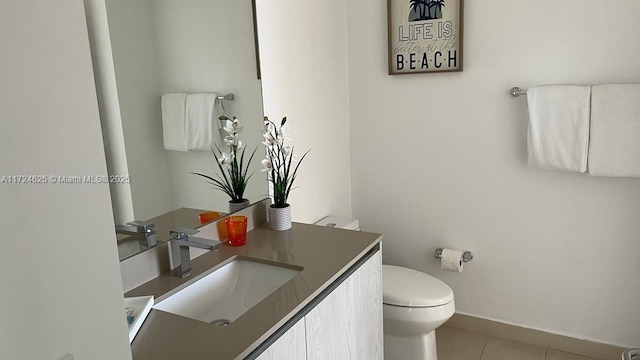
(233, 173)
(230, 140)
(267, 165)
(267, 125)
(269, 140)
(286, 151)
(281, 163)
(283, 132)
(224, 159)
(232, 127)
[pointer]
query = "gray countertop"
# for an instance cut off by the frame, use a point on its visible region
(323, 253)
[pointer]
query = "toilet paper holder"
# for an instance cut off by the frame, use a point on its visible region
(466, 256)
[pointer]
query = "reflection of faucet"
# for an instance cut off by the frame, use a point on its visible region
(631, 354)
(142, 230)
(179, 252)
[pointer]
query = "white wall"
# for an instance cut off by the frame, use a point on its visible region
(440, 160)
(303, 52)
(61, 288)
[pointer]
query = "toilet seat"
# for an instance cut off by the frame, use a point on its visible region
(407, 287)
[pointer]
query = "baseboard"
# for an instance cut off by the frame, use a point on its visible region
(536, 337)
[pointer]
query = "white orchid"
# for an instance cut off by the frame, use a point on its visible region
(232, 127)
(267, 125)
(224, 159)
(233, 176)
(230, 140)
(267, 165)
(234, 142)
(269, 139)
(281, 163)
(283, 132)
(286, 151)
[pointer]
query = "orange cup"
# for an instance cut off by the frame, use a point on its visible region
(208, 216)
(222, 230)
(236, 230)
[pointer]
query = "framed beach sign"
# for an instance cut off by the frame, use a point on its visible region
(425, 36)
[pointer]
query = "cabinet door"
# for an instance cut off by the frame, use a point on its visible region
(347, 324)
(290, 346)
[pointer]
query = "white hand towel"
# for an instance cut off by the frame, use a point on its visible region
(558, 136)
(614, 149)
(174, 122)
(200, 113)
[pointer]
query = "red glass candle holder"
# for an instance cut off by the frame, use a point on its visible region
(236, 230)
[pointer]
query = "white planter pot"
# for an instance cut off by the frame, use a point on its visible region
(235, 206)
(280, 218)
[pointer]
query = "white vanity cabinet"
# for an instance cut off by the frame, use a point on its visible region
(346, 324)
(290, 346)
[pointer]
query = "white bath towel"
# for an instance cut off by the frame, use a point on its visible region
(174, 121)
(614, 149)
(200, 112)
(558, 136)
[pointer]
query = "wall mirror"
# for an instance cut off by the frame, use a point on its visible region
(186, 46)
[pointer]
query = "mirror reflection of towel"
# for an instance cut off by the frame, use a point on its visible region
(173, 121)
(190, 121)
(200, 111)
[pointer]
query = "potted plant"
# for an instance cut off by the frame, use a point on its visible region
(282, 169)
(232, 178)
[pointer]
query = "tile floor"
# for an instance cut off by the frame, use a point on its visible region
(458, 344)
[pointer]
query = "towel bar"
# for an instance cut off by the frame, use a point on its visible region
(229, 96)
(516, 91)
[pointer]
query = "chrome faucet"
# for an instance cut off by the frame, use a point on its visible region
(142, 230)
(179, 251)
(631, 354)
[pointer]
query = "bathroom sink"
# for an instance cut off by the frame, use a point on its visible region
(224, 295)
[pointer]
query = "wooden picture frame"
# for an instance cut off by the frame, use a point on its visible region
(425, 36)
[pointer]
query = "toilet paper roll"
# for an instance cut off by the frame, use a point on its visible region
(451, 260)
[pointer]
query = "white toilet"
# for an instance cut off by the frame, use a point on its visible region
(414, 305)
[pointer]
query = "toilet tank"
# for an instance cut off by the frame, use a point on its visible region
(340, 222)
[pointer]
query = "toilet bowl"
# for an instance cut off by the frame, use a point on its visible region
(414, 305)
